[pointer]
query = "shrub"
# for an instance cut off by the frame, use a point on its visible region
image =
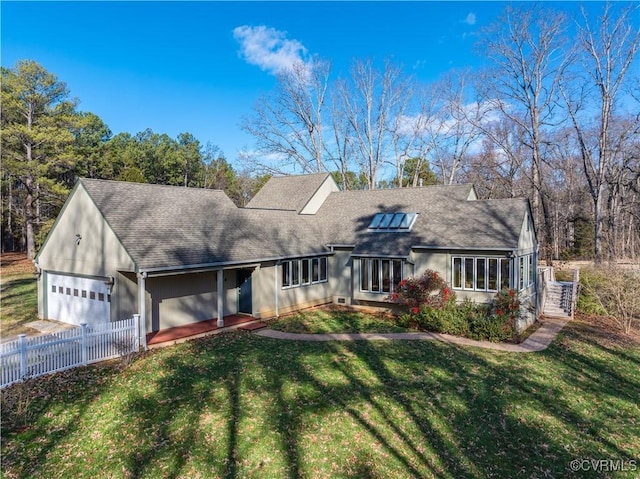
(610, 291)
(494, 322)
(429, 289)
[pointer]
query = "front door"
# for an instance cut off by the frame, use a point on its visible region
(245, 304)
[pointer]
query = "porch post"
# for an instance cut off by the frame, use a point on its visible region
(220, 274)
(142, 307)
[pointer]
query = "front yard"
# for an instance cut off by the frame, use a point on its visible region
(237, 405)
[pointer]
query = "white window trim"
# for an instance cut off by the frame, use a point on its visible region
(486, 259)
(299, 263)
(380, 275)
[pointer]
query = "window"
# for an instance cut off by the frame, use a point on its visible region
(306, 279)
(392, 222)
(525, 271)
(53, 288)
(379, 275)
(323, 269)
(305, 271)
(480, 273)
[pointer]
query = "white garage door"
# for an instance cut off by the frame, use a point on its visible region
(77, 300)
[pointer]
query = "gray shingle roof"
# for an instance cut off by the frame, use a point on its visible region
(287, 192)
(445, 219)
(169, 226)
(172, 227)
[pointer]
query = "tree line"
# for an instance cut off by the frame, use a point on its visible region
(554, 118)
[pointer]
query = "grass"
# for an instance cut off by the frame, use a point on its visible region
(337, 320)
(238, 405)
(18, 293)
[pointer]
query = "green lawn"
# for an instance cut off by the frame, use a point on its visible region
(337, 320)
(18, 295)
(238, 405)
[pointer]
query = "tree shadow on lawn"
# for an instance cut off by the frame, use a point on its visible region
(421, 409)
(238, 405)
(503, 418)
(45, 412)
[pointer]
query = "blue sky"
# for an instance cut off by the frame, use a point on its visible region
(198, 67)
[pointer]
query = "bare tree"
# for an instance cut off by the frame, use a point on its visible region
(288, 124)
(526, 47)
(457, 125)
(372, 102)
(606, 50)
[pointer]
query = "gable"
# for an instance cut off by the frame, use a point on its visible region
(300, 193)
(81, 241)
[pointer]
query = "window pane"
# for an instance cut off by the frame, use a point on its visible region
(364, 274)
(480, 273)
(386, 220)
(315, 270)
(457, 272)
(397, 272)
(295, 273)
(286, 274)
(504, 273)
(323, 269)
(305, 271)
(468, 273)
(406, 220)
(386, 275)
(493, 274)
(375, 223)
(531, 271)
(522, 273)
(397, 220)
(375, 275)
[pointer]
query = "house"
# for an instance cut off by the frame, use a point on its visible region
(178, 255)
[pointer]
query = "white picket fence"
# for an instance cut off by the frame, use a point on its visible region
(29, 357)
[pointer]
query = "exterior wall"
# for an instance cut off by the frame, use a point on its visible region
(340, 279)
(98, 253)
(124, 297)
(289, 299)
(231, 292)
(181, 299)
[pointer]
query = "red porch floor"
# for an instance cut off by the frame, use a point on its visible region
(192, 329)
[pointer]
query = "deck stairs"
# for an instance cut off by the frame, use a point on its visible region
(559, 301)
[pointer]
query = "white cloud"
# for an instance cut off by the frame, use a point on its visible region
(268, 48)
(470, 19)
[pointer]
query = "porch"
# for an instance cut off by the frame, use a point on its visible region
(198, 327)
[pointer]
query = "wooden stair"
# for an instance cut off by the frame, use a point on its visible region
(559, 299)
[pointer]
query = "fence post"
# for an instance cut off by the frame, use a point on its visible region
(83, 343)
(22, 348)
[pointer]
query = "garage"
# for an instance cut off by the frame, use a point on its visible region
(76, 299)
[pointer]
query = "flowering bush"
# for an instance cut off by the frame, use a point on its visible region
(429, 289)
(506, 310)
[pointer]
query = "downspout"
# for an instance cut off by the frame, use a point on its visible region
(275, 288)
(142, 307)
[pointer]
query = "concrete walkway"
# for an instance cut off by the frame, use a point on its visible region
(538, 341)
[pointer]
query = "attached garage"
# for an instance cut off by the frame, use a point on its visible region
(76, 299)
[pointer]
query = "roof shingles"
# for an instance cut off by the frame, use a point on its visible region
(173, 227)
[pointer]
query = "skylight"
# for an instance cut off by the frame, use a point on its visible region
(386, 222)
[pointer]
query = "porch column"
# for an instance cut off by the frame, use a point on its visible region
(220, 274)
(142, 307)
